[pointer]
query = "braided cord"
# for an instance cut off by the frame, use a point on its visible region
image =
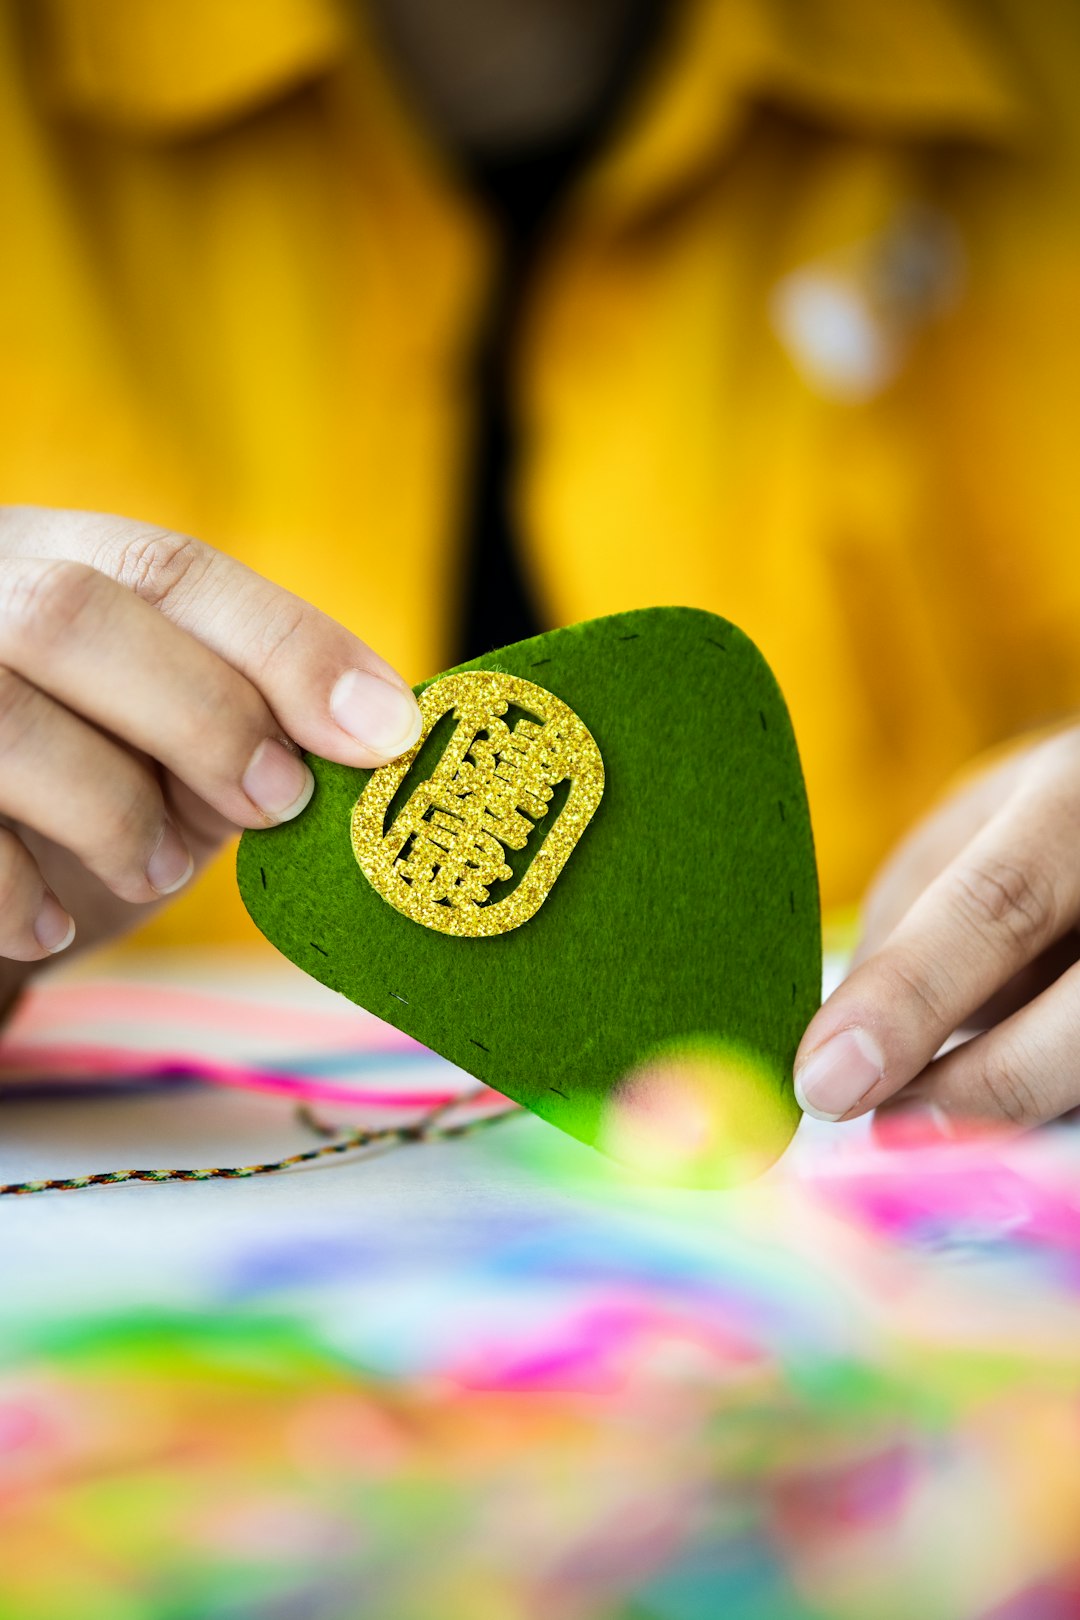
(427, 1129)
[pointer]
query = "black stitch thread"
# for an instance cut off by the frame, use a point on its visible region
(794, 992)
(764, 722)
(480, 1044)
(634, 637)
(780, 807)
(559, 1093)
(318, 948)
(713, 643)
(262, 874)
(539, 663)
(791, 900)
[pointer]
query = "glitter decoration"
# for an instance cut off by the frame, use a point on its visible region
(444, 856)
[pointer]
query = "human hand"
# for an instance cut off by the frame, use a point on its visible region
(152, 696)
(972, 924)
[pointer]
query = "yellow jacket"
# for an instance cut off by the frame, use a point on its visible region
(804, 350)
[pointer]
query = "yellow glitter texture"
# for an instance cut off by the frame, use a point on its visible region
(446, 848)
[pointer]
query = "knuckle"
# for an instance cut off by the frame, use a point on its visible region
(154, 563)
(910, 982)
(275, 628)
(18, 701)
(46, 600)
(225, 718)
(117, 833)
(135, 821)
(1006, 1079)
(1001, 897)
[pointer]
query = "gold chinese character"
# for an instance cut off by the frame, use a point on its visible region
(442, 860)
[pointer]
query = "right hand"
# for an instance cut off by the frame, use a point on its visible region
(152, 696)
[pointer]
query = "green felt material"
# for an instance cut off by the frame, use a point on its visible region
(685, 920)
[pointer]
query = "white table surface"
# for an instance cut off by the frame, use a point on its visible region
(160, 1243)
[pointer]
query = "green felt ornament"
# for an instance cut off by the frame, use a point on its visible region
(595, 891)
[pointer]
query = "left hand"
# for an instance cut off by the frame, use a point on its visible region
(972, 924)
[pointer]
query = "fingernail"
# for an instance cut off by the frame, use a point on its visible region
(171, 864)
(54, 930)
(383, 717)
(839, 1074)
(278, 782)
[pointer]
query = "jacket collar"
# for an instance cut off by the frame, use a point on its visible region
(169, 68)
(923, 70)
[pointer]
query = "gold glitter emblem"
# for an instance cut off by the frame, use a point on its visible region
(444, 857)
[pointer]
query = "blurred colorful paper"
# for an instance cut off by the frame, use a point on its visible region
(497, 1380)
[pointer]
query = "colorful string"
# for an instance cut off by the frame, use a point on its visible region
(427, 1129)
(60, 1068)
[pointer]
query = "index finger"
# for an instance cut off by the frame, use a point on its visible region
(1011, 893)
(328, 689)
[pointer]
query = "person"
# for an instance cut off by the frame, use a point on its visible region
(448, 323)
